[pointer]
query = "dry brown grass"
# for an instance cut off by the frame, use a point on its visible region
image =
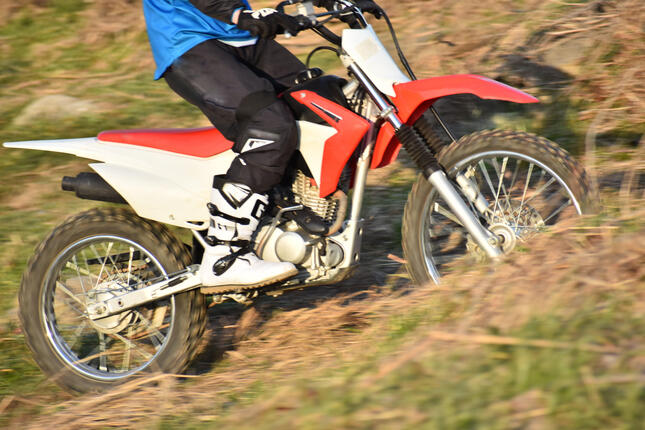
(272, 342)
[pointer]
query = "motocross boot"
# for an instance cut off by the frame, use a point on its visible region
(229, 262)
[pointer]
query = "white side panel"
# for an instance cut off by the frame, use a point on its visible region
(312, 145)
(365, 48)
(157, 197)
(164, 186)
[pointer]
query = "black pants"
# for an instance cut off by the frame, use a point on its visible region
(236, 89)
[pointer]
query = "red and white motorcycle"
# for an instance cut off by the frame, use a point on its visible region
(112, 292)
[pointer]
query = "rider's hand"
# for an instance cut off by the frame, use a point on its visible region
(267, 22)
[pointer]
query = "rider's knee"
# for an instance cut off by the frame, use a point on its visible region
(263, 110)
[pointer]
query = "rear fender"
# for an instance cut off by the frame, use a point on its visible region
(415, 97)
(87, 147)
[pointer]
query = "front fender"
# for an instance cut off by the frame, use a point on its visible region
(415, 97)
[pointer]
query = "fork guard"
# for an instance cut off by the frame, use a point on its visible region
(415, 97)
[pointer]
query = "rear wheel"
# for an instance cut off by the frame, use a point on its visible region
(529, 183)
(87, 258)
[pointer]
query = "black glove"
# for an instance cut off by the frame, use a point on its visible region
(267, 22)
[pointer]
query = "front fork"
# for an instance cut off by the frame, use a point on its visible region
(433, 172)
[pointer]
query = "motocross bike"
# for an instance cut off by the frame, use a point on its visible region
(112, 293)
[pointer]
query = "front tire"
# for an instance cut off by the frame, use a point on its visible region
(529, 182)
(85, 258)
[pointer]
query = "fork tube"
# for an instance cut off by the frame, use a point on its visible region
(484, 238)
(374, 93)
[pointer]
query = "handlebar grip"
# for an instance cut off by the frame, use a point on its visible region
(304, 23)
(329, 35)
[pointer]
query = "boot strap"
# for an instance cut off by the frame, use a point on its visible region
(213, 241)
(224, 263)
(214, 211)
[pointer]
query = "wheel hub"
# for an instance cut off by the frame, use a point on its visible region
(510, 226)
(506, 237)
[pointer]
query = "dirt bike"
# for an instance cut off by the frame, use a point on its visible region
(112, 293)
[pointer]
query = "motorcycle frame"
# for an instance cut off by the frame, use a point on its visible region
(349, 238)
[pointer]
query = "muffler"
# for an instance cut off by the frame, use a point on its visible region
(91, 186)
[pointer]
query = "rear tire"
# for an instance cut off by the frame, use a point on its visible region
(431, 239)
(84, 257)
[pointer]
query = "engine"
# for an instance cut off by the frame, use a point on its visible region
(283, 239)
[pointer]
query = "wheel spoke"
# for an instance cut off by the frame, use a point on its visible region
(102, 357)
(128, 352)
(70, 294)
(78, 273)
(482, 167)
(77, 334)
(116, 271)
(558, 210)
(87, 267)
(155, 333)
(98, 280)
(132, 345)
(127, 282)
(526, 187)
(446, 213)
(538, 192)
(515, 172)
(79, 270)
(500, 186)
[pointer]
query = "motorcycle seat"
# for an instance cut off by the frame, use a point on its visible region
(196, 142)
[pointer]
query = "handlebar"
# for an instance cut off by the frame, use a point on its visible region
(307, 22)
(280, 7)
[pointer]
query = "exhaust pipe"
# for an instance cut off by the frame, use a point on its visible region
(91, 186)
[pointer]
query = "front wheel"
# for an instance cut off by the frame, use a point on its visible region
(529, 183)
(90, 257)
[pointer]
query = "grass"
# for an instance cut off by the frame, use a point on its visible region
(403, 381)
(368, 365)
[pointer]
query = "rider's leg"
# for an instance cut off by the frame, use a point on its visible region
(241, 102)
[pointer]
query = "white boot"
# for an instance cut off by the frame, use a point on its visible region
(229, 262)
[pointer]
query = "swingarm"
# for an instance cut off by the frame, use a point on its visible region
(179, 283)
